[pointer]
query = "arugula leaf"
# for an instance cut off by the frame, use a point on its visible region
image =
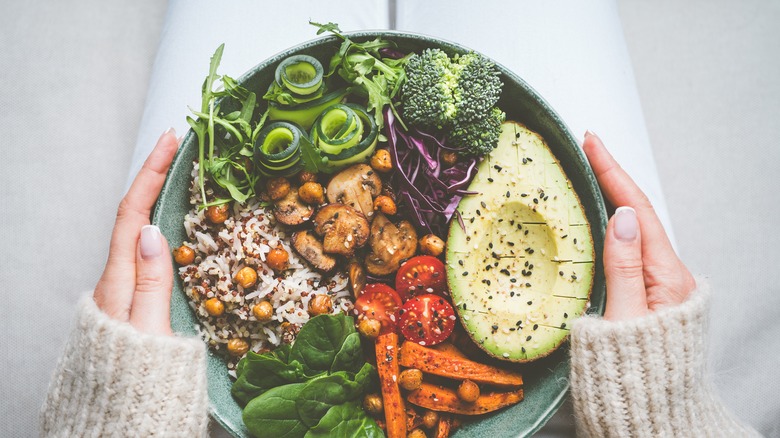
(329, 27)
(312, 160)
(231, 133)
(361, 64)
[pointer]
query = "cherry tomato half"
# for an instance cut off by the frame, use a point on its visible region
(426, 319)
(379, 301)
(421, 275)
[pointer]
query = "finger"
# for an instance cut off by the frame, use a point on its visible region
(136, 207)
(626, 293)
(114, 291)
(150, 309)
(620, 189)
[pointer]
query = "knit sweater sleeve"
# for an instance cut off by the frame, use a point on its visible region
(645, 377)
(112, 380)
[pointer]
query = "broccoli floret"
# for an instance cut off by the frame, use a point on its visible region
(428, 93)
(456, 95)
(478, 137)
(478, 90)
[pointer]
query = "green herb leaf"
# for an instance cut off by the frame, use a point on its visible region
(273, 413)
(312, 160)
(320, 340)
(329, 27)
(347, 420)
(319, 395)
(261, 372)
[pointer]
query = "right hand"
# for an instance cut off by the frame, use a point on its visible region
(136, 284)
(643, 272)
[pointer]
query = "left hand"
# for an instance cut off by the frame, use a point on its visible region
(136, 284)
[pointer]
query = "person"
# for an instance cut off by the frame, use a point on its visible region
(638, 371)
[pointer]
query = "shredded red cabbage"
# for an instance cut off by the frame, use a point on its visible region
(429, 193)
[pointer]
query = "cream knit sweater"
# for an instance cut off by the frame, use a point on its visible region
(639, 378)
(645, 377)
(112, 381)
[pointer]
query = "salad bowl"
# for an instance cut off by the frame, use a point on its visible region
(545, 380)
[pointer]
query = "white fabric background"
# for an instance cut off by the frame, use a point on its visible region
(76, 73)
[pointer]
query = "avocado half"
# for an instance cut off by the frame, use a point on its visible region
(522, 270)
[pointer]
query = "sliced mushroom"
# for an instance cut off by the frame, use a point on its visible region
(310, 248)
(357, 277)
(343, 229)
(290, 210)
(390, 245)
(356, 186)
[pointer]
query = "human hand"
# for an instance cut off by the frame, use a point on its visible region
(643, 271)
(136, 284)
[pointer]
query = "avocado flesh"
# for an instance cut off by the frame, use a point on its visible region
(522, 271)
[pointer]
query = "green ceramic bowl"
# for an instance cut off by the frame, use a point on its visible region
(546, 381)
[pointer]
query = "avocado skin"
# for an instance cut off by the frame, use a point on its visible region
(522, 271)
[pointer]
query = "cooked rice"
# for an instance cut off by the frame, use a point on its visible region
(245, 239)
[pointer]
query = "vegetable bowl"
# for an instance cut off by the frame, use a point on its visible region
(544, 379)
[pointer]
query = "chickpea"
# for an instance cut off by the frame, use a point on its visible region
(237, 347)
(263, 311)
(416, 433)
(369, 328)
(430, 419)
(381, 161)
(311, 193)
(372, 403)
(385, 204)
(410, 379)
(449, 157)
(277, 188)
(307, 176)
(320, 305)
(468, 391)
(184, 255)
(246, 277)
(217, 214)
(431, 244)
(277, 259)
(214, 307)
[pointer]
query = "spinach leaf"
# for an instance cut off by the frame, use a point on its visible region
(320, 340)
(347, 420)
(350, 356)
(261, 372)
(319, 395)
(273, 413)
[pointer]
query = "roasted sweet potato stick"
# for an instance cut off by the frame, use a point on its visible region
(439, 398)
(388, 369)
(441, 363)
(446, 347)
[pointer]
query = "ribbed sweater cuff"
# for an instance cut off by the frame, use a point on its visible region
(645, 377)
(112, 380)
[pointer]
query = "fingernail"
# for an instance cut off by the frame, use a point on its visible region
(151, 246)
(588, 133)
(170, 130)
(626, 225)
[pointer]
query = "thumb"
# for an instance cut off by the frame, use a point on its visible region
(150, 311)
(626, 294)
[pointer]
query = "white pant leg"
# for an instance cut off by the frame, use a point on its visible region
(251, 30)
